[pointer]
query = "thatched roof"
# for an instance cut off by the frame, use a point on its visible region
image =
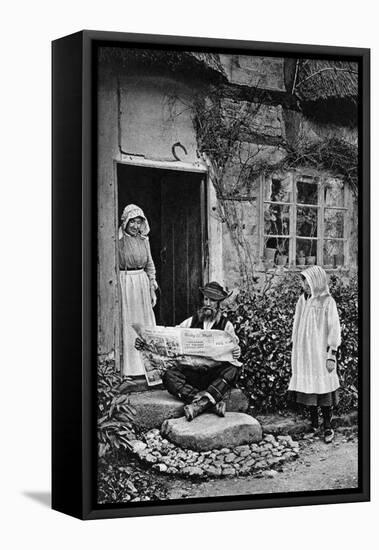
(210, 60)
(200, 64)
(323, 80)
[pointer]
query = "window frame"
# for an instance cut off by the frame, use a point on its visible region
(321, 179)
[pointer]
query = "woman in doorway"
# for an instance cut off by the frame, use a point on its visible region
(138, 284)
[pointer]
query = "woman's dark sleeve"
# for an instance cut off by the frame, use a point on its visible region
(121, 254)
(150, 267)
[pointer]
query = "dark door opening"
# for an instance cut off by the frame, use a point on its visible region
(174, 204)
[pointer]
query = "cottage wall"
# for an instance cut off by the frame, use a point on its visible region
(156, 113)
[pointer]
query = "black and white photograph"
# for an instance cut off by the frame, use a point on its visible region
(228, 276)
(188, 230)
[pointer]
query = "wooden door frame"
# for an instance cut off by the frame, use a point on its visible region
(196, 168)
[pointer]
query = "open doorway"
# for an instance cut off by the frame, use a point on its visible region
(174, 204)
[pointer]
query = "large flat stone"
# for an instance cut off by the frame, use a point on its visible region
(208, 431)
(237, 401)
(277, 424)
(154, 406)
(293, 424)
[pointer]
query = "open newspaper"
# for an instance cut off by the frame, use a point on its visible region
(171, 346)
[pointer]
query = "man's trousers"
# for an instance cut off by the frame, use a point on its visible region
(185, 382)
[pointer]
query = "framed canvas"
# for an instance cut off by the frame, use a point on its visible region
(210, 275)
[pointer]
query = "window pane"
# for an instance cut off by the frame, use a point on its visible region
(305, 248)
(333, 253)
(307, 192)
(277, 220)
(334, 223)
(306, 221)
(334, 193)
(279, 244)
(278, 189)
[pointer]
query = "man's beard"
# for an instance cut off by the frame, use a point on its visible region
(207, 313)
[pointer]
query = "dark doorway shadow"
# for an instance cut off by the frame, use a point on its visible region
(42, 497)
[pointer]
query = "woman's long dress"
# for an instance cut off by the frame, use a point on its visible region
(137, 276)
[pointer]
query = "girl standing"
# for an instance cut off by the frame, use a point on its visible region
(316, 337)
(138, 284)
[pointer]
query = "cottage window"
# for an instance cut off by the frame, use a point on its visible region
(304, 220)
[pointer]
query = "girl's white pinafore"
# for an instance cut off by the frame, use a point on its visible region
(316, 332)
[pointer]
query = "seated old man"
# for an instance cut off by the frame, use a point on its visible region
(203, 387)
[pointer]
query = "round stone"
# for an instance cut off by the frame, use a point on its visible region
(230, 458)
(228, 471)
(245, 452)
(160, 467)
(271, 473)
(137, 446)
(193, 471)
(212, 471)
(248, 464)
(151, 459)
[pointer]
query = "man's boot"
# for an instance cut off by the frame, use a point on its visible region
(198, 406)
(219, 408)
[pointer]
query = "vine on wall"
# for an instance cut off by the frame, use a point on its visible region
(219, 138)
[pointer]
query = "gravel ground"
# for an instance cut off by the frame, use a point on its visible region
(319, 467)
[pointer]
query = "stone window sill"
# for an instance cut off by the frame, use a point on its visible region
(299, 268)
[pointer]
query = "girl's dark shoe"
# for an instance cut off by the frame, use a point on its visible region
(328, 435)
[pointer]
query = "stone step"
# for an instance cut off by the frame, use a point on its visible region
(208, 431)
(277, 424)
(137, 384)
(155, 406)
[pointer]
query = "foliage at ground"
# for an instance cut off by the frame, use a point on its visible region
(120, 478)
(114, 414)
(263, 322)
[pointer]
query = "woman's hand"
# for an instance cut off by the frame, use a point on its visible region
(236, 352)
(330, 365)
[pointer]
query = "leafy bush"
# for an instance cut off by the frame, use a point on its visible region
(114, 414)
(263, 322)
(346, 297)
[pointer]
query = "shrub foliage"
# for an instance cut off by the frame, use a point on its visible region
(263, 322)
(114, 414)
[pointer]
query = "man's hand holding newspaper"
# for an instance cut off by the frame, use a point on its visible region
(163, 347)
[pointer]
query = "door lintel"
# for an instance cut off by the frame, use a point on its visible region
(132, 160)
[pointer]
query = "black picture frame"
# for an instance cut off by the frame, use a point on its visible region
(74, 277)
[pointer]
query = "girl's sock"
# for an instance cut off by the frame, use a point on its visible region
(314, 416)
(327, 416)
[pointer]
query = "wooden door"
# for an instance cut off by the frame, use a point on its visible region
(182, 245)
